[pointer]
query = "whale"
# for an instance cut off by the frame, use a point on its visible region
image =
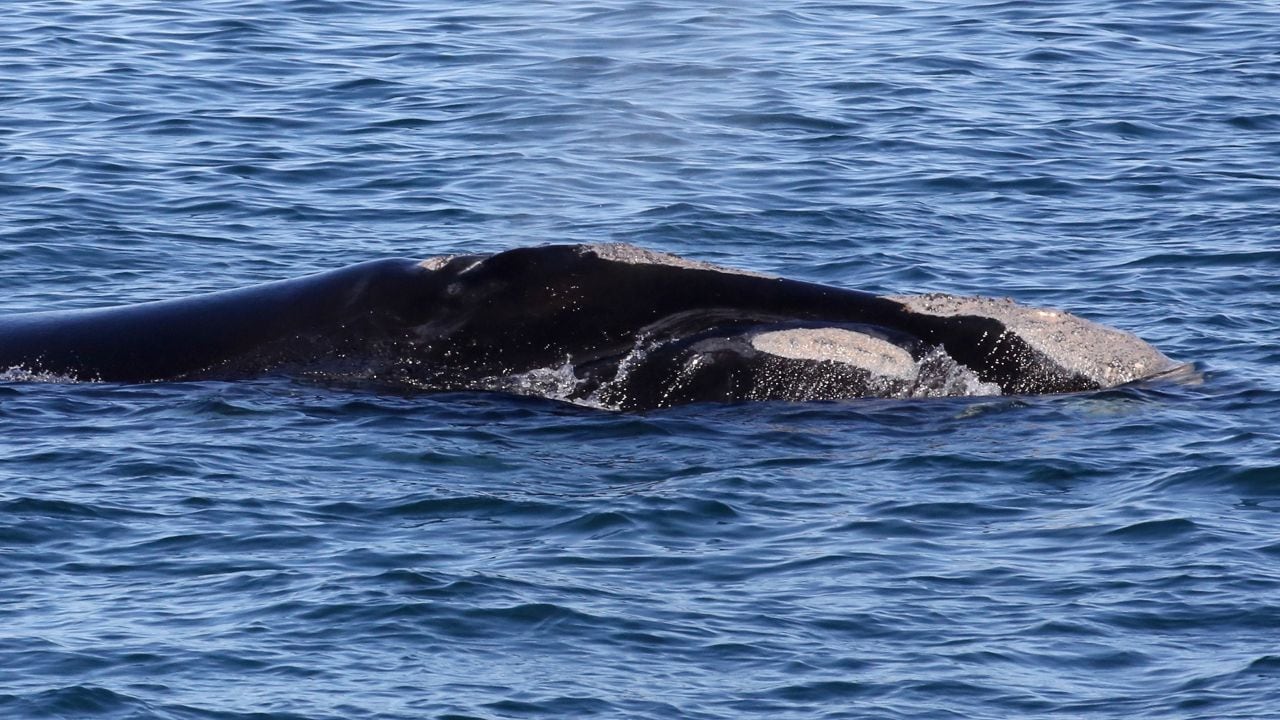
(605, 325)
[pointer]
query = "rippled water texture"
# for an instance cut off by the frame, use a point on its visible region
(288, 549)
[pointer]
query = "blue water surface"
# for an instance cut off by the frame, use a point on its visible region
(280, 548)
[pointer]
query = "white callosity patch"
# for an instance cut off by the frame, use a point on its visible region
(632, 255)
(438, 262)
(1104, 355)
(892, 370)
(879, 357)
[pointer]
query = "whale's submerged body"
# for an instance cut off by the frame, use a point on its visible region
(611, 326)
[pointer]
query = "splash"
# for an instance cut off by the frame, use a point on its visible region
(19, 374)
(824, 365)
(551, 383)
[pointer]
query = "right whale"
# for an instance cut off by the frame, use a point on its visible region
(607, 325)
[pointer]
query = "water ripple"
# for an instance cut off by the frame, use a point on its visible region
(281, 549)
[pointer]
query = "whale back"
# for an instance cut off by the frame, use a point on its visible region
(607, 325)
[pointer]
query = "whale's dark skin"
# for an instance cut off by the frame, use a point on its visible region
(636, 329)
(231, 332)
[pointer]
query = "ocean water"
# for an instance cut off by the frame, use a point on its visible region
(284, 549)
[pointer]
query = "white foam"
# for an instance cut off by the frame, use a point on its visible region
(632, 255)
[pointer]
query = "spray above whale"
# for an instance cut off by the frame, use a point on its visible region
(607, 325)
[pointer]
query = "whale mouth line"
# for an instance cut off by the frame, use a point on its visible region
(609, 326)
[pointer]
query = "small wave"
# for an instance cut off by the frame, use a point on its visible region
(1167, 529)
